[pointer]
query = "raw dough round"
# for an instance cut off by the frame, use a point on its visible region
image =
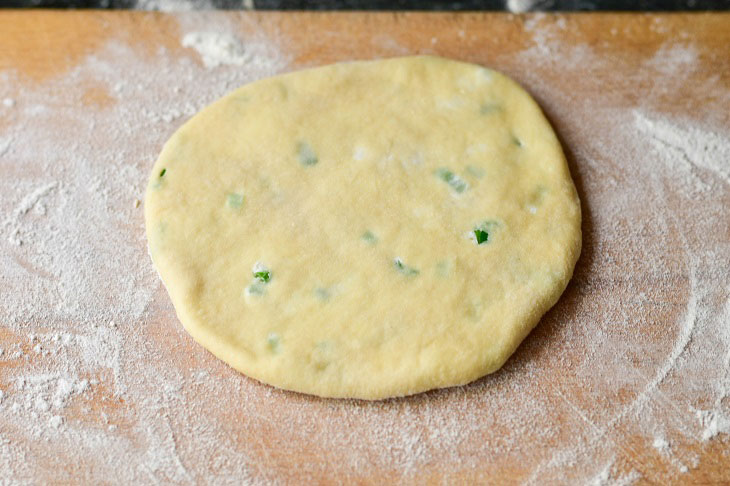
(367, 229)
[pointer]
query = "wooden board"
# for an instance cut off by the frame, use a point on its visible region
(625, 381)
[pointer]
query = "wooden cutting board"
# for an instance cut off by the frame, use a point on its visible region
(625, 381)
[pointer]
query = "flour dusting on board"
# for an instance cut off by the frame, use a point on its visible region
(692, 148)
(80, 371)
(650, 180)
(4, 145)
(220, 49)
(92, 357)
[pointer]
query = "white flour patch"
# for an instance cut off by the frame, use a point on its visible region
(603, 476)
(673, 58)
(5, 145)
(661, 444)
(221, 49)
(713, 423)
(30, 201)
(691, 148)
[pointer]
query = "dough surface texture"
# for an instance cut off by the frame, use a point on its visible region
(367, 229)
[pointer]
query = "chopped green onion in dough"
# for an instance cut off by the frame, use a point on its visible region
(456, 183)
(369, 237)
(234, 200)
(405, 269)
(306, 154)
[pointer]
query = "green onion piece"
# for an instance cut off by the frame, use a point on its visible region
(162, 172)
(306, 153)
(262, 276)
(272, 341)
(481, 235)
(369, 237)
(322, 293)
(405, 269)
(454, 181)
(482, 232)
(234, 200)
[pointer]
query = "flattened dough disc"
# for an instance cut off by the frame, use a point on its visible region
(367, 229)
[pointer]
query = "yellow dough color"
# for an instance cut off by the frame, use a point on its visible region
(367, 229)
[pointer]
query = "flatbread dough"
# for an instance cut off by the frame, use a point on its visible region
(367, 229)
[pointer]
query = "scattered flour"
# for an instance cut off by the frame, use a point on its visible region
(673, 58)
(55, 422)
(713, 423)
(661, 444)
(691, 147)
(222, 49)
(30, 201)
(5, 145)
(96, 371)
(650, 179)
(603, 476)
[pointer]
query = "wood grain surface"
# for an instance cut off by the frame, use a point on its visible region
(603, 419)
